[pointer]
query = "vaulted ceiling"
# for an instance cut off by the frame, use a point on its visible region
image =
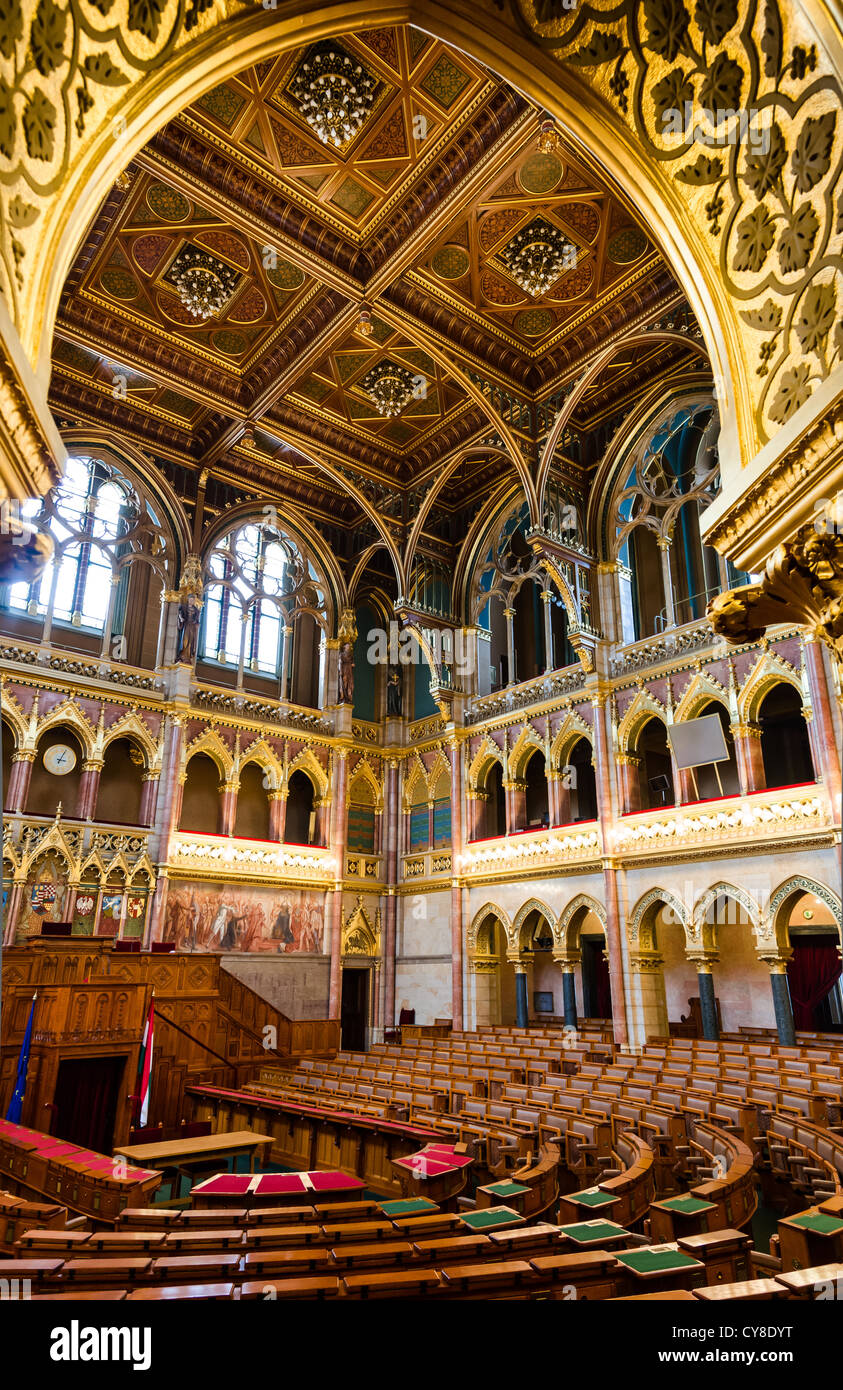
(413, 218)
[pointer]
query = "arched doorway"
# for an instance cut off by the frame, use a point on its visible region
(534, 969)
(56, 774)
(536, 812)
(121, 783)
(656, 766)
(251, 821)
(494, 996)
(300, 811)
(808, 922)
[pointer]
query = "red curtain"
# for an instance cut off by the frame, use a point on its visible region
(602, 986)
(812, 970)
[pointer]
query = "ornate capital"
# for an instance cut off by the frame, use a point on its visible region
(803, 583)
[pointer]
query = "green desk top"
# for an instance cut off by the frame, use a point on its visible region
(818, 1222)
(688, 1206)
(408, 1206)
(492, 1217)
(505, 1189)
(648, 1261)
(592, 1232)
(591, 1197)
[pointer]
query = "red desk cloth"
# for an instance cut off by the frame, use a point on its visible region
(325, 1182)
(232, 1184)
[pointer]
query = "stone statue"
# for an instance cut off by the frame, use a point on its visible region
(190, 610)
(393, 692)
(346, 674)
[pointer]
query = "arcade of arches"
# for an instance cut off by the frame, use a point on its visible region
(388, 516)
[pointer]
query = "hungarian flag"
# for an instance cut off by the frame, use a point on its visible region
(16, 1103)
(145, 1065)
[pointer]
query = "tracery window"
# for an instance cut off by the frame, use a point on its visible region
(257, 584)
(98, 522)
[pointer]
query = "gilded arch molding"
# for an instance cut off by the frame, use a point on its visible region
(749, 231)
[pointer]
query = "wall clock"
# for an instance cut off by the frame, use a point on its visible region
(60, 759)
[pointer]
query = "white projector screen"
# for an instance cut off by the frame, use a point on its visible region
(698, 742)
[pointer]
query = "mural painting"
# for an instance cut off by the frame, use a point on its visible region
(234, 917)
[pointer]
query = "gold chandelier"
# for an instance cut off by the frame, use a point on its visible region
(204, 284)
(335, 93)
(537, 255)
(389, 388)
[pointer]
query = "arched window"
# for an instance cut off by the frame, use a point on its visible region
(667, 574)
(264, 604)
(99, 522)
(656, 767)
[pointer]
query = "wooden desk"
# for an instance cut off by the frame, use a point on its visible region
(592, 1201)
(154, 1293)
(725, 1254)
(180, 1154)
(311, 1287)
(810, 1238)
(674, 1216)
(810, 1283)
(398, 1283)
(595, 1235)
(749, 1291)
(660, 1264)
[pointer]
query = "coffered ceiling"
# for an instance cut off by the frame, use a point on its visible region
(413, 217)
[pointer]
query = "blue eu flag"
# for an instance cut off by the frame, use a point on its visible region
(16, 1103)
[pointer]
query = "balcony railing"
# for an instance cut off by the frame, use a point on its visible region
(532, 851)
(538, 690)
(433, 863)
(778, 815)
(264, 859)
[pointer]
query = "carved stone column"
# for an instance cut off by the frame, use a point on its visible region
(516, 792)
(614, 925)
(149, 797)
(228, 807)
(568, 962)
(391, 821)
(89, 785)
(454, 755)
(522, 1013)
(509, 614)
(825, 742)
(705, 961)
(748, 757)
(277, 813)
(776, 961)
(19, 780)
(647, 974)
(629, 765)
(338, 844)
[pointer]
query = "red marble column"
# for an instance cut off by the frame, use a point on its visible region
(684, 784)
(748, 758)
(277, 815)
(227, 810)
(630, 770)
(338, 843)
(19, 780)
(149, 798)
(518, 807)
(391, 821)
(430, 825)
(167, 813)
(89, 785)
(12, 911)
(456, 891)
(825, 750)
(614, 926)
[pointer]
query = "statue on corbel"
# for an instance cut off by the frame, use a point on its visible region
(191, 593)
(347, 636)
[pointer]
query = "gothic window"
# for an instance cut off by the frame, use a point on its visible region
(98, 522)
(257, 584)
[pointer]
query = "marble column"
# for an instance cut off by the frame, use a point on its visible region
(89, 785)
(338, 843)
(228, 807)
(12, 912)
(782, 1007)
(629, 765)
(704, 961)
(614, 925)
(391, 820)
(568, 964)
(748, 758)
(277, 814)
(548, 631)
(517, 819)
(19, 780)
(663, 543)
(509, 614)
(454, 756)
(149, 797)
(522, 1016)
(825, 749)
(167, 813)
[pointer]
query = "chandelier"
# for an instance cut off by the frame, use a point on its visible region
(205, 284)
(389, 388)
(335, 93)
(537, 255)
